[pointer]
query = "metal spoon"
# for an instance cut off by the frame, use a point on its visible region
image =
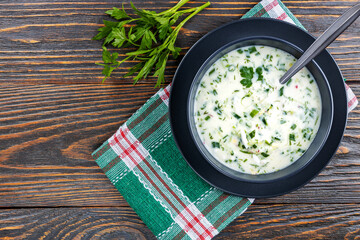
(330, 34)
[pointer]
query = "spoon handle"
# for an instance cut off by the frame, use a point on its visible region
(340, 25)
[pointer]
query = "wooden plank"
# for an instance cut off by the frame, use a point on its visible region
(293, 221)
(41, 43)
(48, 130)
(47, 133)
(320, 221)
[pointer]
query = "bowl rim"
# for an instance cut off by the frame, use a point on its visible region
(195, 136)
(207, 172)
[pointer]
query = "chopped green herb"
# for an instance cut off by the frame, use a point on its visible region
(215, 92)
(307, 132)
(293, 126)
(211, 71)
(248, 94)
(265, 154)
(236, 116)
(281, 91)
(246, 82)
(282, 67)
(254, 112)
(240, 51)
(263, 119)
(252, 49)
(247, 72)
(288, 82)
(215, 144)
(211, 137)
(291, 137)
(312, 112)
(252, 134)
(301, 150)
(217, 80)
(282, 121)
(246, 152)
(259, 71)
(218, 109)
(276, 138)
(207, 118)
(231, 68)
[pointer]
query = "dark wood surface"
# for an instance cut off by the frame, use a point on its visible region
(54, 112)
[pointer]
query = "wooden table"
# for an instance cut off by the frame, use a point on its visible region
(54, 113)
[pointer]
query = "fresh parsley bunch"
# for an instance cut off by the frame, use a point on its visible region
(152, 34)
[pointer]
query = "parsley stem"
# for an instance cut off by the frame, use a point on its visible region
(172, 37)
(198, 9)
(174, 8)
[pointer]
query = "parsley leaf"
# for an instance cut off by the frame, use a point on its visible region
(259, 71)
(152, 34)
(246, 82)
(117, 13)
(247, 72)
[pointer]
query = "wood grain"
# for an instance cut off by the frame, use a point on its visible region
(47, 133)
(280, 221)
(41, 43)
(54, 112)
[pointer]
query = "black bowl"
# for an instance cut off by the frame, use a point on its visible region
(325, 122)
(203, 54)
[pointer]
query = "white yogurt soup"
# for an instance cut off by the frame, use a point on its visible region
(250, 122)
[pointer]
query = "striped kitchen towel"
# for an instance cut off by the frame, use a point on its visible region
(142, 161)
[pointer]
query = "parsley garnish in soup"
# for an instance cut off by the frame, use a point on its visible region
(250, 122)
